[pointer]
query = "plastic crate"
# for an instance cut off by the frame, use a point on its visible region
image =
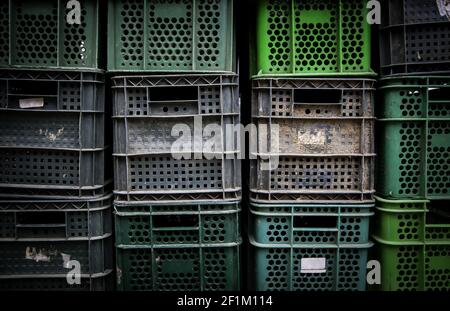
(205, 267)
(311, 37)
(308, 267)
(46, 35)
(310, 224)
(414, 138)
(24, 220)
(415, 37)
(324, 148)
(169, 36)
(146, 109)
(43, 257)
(102, 282)
(413, 244)
(177, 224)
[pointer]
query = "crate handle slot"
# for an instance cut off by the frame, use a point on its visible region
(439, 94)
(178, 94)
(41, 220)
(181, 222)
(315, 221)
(318, 97)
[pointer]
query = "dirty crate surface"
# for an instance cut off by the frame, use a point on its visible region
(299, 267)
(140, 224)
(149, 162)
(52, 133)
(171, 36)
(182, 267)
(320, 140)
(413, 244)
(415, 37)
(414, 147)
(311, 37)
(310, 224)
(48, 34)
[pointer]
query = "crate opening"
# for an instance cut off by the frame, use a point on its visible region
(439, 94)
(315, 222)
(317, 96)
(41, 218)
(172, 221)
(165, 94)
(439, 213)
(32, 88)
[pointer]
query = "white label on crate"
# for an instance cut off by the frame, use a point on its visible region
(444, 7)
(313, 137)
(31, 103)
(313, 265)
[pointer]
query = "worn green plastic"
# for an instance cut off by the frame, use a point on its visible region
(169, 36)
(40, 34)
(288, 268)
(311, 224)
(413, 244)
(310, 37)
(414, 146)
(143, 224)
(179, 267)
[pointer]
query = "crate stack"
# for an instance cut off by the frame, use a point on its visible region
(55, 211)
(311, 188)
(412, 228)
(177, 202)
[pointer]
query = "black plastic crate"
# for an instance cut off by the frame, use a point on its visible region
(100, 282)
(26, 220)
(415, 37)
(145, 110)
(324, 150)
(52, 133)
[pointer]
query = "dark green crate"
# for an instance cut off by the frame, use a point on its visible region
(168, 36)
(413, 244)
(312, 224)
(312, 37)
(288, 268)
(414, 147)
(201, 267)
(37, 34)
(188, 223)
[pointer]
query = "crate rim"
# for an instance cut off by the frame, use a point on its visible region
(411, 243)
(55, 276)
(399, 201)
(238, 243)
(370, 73)
(253, 242)
(292, 213)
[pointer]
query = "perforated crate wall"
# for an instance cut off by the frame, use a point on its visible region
(415, 37)
(415, 138)
(167, 36)
(177, 224)
(24, 220)
(146, 110)
(308, 268)
(310, 224)
(312, 37)
(175, 268)
(49, 35)
(104, 282)
(321, 139)
(46, 257)
(46, 173)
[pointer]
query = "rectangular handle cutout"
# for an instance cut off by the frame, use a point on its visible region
(315, 222)
(172, 221)
(318, 97)
(164, 94)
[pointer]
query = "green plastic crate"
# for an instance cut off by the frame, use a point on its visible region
(169, 36)
(414, 146)
(196, 267)
(312, 37)
(310, 224)
(308, 267)
(188, 223)
(37, 34)
(413, 244)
